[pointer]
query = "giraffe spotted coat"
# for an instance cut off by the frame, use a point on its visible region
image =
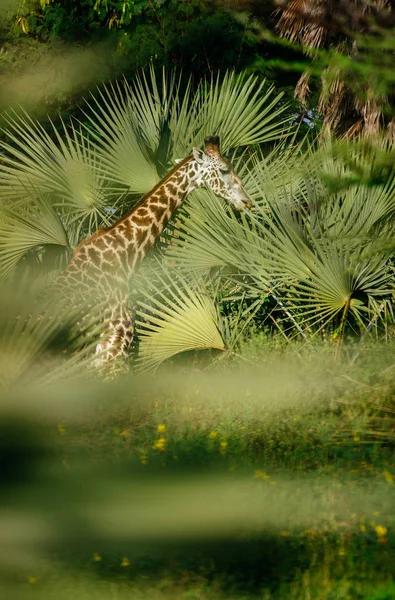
(98, 274)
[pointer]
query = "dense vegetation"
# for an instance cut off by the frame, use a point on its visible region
(247, 449)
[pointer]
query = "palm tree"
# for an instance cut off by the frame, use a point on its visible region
(350, 47)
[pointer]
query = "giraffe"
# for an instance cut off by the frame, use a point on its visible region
(103, 263)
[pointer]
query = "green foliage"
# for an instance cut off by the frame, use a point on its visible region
(324, 257)
(59, 48)
(266, 475)
(132, 132)
(314, 258)
(26, 228)
(174, 316)
(36, 328)
(169, 32)
(230, 482)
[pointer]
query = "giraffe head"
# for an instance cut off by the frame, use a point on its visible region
(216, 172)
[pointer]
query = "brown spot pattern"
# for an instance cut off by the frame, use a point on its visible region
(105, 260)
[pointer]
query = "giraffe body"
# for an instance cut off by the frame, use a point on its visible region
(102, 264)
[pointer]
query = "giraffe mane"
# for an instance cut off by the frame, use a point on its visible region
(102, 230)
(94, 235)
(161, 182)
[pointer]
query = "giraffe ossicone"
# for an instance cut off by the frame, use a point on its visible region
(102, 264)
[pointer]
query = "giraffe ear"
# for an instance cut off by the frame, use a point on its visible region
(200, 156)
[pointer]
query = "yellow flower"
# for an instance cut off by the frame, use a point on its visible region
(261, 475)
(356, 438)
(61, 429)
(96, 557)
(362, 528)
(284, 533)
(143, 459)
(223, 446)
(125, 433)
(125, 562)
(213, 434)
(388, 477)
(160, 444)
(381, 531)
(32, 579)
(341, 552)
(161, 428)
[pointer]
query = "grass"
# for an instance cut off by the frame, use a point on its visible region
(269, 480)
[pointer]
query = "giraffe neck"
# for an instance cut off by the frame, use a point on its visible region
(97, 276)
(108, 258)
(147, 219)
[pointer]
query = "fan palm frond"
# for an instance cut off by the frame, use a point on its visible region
(68, 171)
(175, 316)
(237, 108)
(122, 152)
(281, 173)
(34, 328)
(25, 228)
(154, 104)
(240, 109)
(309, 249)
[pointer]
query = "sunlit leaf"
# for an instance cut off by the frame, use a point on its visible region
(176, 316)
(119, 147)
(25, 228)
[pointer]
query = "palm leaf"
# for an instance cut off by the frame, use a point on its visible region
(272, 177)
(31, 322)
(153, 104)
(235, 107)
(175, 316)
(240, 109)
(121, 150)
(68, 172)
(85, 190)
(209, 235)
(309, 249)
(323, 271)
(27, 228)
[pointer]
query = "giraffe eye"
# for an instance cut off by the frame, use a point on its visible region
(225, 171)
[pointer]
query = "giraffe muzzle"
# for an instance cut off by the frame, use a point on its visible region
(248, 203)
